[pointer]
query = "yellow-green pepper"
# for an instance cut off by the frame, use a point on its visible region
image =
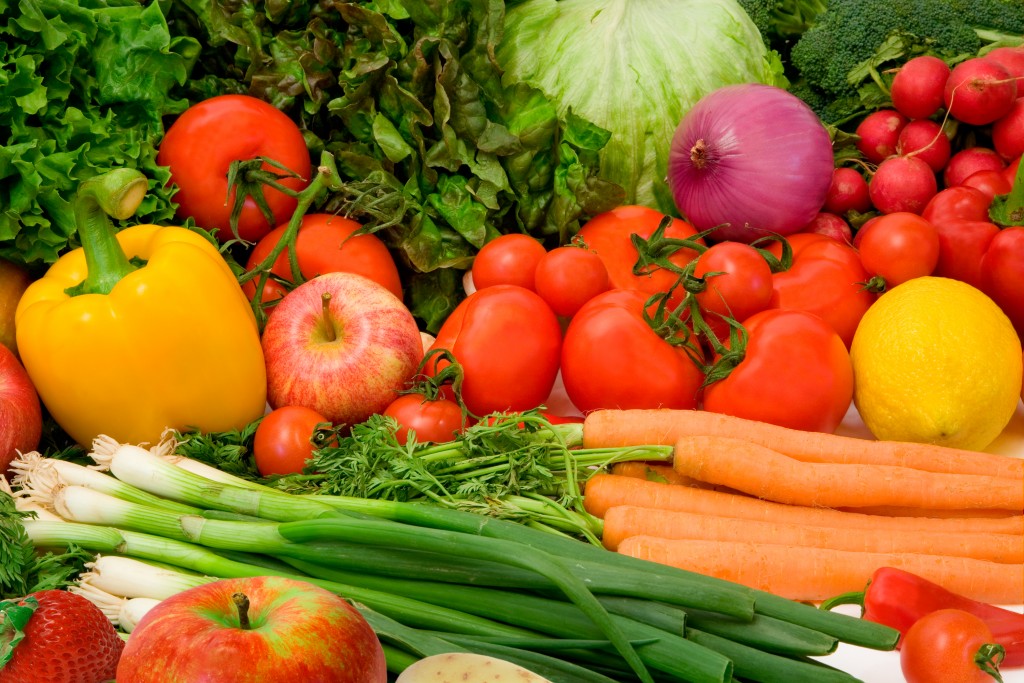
(140, 330)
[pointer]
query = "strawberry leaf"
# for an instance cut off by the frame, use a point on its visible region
(14, 616)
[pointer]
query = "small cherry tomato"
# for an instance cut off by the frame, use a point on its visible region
(284, 439)
(898, 247)
(738, 281)
(435, 420)
(568, 277)
(507, 260)
(949, 646)
(200, 146)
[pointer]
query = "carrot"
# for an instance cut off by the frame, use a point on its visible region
(765, 473)
(819, 573)
(617, 428)
(623, 521)
(604, 491)
(892, 511)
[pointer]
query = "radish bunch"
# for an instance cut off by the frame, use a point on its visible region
(946, 127)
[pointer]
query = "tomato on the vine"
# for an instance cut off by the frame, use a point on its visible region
(795, 371)
(898, 247)
(609, 236)
(949, 646)
(437, 420)
(568, 277)
(612, 358)
(738, 281)
(324, 244)
(509, 259)
(826, 278)
(508, 341)
(284, 439)
(200, 146)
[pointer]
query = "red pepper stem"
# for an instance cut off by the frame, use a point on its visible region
(851, 598)
(117, 193)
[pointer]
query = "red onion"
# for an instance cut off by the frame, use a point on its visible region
(751, 158)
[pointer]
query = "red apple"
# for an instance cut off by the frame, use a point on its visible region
(14, 280)
(296, 631)
(21, 418)
(340, 344)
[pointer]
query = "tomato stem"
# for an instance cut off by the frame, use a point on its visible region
(988, 657)
(241, 601)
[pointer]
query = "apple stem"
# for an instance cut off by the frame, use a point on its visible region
(328, 327)
(241, 601)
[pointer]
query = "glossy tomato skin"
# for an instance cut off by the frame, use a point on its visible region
(435, 420)
(827, 279)
(608, 235)
(941, 646)
(960, 216)
(611, 358)
(899, 247)
(796, 372)
(509, 259)
(738, 280)
(1002, 274)
(508, 342)
(282, 442)
(200, 146)
(324, 244)
(568, 277)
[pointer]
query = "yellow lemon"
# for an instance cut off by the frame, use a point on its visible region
(936, 361)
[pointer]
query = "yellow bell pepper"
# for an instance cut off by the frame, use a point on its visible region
(129, 349)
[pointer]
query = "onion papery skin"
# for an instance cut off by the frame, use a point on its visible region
(766, 167)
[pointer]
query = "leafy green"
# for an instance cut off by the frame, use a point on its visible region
(633, 68)
(438, 154)
(83, 89)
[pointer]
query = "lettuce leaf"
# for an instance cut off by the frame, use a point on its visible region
(84, 87)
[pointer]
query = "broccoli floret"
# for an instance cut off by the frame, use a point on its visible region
(781, 19)
(853, 41)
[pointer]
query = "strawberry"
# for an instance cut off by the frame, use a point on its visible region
(57, 637)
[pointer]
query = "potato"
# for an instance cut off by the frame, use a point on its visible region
(467, 667)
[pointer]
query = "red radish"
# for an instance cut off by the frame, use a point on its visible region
(878, 133)
(831, 225)
(1011, 59)
(969, 161)
(917, 87)
(991, 183)
(979, 91)
(902, 184)
(926, 140)
(1008, 131)
(848, 192)
(1010, 172)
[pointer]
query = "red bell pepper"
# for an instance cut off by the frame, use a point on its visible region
(897, 598)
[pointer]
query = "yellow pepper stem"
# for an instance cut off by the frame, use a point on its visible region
(116, 193)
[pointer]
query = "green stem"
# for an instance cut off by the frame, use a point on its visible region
(117, 193)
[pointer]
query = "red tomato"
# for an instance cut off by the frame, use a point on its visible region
(955, 204)
(795, 372)
(612, 358)
(508, 341)
(738, 281)
(568, 277)
(990, 182)
(507, 260)
(899, 247)
(438, 420)
(827, 279)
(200, 146)
(324, 244)
(608, 235)
(284, 439)
(943, 647)
(1001, 273)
